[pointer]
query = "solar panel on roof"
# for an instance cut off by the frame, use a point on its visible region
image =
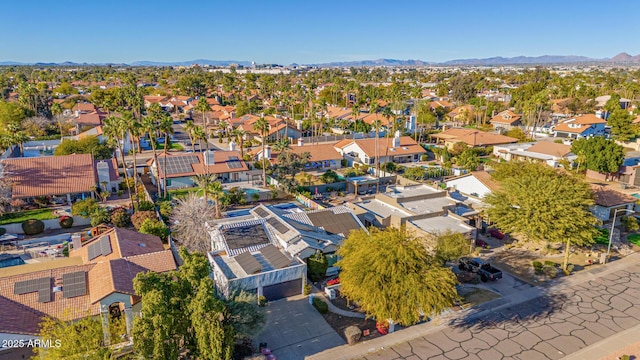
(44, 295)
(33, 285)
(278, 225)
(105, 246)
(233, 162)
(261, 212)
(275, 257)
(74, 284)
(94, 250)
(248, 263)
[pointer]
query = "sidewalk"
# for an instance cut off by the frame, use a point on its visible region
(623, 343)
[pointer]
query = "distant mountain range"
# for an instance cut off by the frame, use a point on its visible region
(622, 59)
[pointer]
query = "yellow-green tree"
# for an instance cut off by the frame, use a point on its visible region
(392, 276)
(543, 204)
(82, 339)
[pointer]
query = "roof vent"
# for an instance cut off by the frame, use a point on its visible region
(142, 245)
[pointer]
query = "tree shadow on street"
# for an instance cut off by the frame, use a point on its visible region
(496, 314)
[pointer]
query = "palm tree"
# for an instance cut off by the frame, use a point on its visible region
(376, 125)
(203, 107)
(262, 127)
(148, 125)
(209, 186)
(281, 145)
(387, 113)
(199, 135)
(133, 128)
(166, 127)
(115, 131)
(189, 128)
(238, 135)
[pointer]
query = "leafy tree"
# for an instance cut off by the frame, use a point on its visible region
(415, 173)
(391, 275)
(458, 148)
(289, 164)
(600, 154)
(155, 227)
(451, 246)
(518, 134)
(84, 207)
(317, 266)
(613, 104)
(11, 113)
(139, 217)
(329, 177)
(468, 160)
(86, 145)
(81, 339)
(244, 315)
(189, 218)
(543, 205)
(181, 313)
(621, 123)
(630, 223)
(120, 217)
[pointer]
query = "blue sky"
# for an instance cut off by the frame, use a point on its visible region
(313, 31)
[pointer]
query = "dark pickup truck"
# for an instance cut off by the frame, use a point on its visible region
(477, 265)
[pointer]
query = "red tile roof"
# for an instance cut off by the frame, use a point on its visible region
(608, 197)
(220, 164)
(124, 243)
(51, 175)
(473, 137)
(506, 117)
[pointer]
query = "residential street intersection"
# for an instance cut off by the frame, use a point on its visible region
(547, 322)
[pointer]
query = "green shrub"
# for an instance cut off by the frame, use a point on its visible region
(145, 206)
(262, 300)
(66, 222)
(537, 265)
(320, 305)
(32, 227)
(155, 227)
(550, 271)
(120, 217)
(423, 157)
(568, 270)
(307, 289)
(549, 263)
(255, 196)
(139, 217)
(2, 231)
(317, 265)
(99, 216)
(165, 208)
(84, 207)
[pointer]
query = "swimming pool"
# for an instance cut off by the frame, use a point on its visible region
(636, 195)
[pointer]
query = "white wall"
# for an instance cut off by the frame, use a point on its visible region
(48, 224)
(469, 185)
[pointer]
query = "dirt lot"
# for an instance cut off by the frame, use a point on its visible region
(472, 296)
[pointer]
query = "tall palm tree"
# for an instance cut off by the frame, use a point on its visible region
(238, 135)
(376, 125)
(133, 128)
(149, 126)
(387, 113)
(262, 127)
(210, 186)
(166, 127)
(114, 129)
(199, 135)
(203, 107)
(189, 129)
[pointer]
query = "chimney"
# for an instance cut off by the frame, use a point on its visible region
(300, 141)
(209, 158)
(267, 153)
(76, 241)
(232, 145)
(396, 140)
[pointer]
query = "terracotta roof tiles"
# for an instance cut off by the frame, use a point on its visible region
(51, 175)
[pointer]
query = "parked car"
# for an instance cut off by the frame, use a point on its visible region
(481, 243)
(480, 267)
(496, 233)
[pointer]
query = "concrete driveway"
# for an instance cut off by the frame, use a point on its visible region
(296, 330)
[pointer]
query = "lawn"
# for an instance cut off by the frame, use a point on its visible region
(18, 217)
(172, 146)
(634, 239)
(182, 192)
